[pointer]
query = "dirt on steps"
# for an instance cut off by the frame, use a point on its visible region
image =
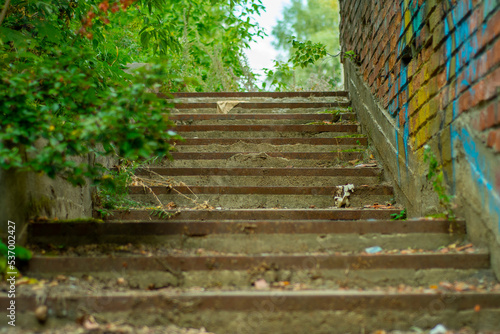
(289, 262)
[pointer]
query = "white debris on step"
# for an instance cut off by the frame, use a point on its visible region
(341, 197)
(223, 107)
(373, 250)
(439, 329)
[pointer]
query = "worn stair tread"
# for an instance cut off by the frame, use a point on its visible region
(138, 262)
(261, 171)
(305, 300)
(327, 156)
(275, 141)
(257, 214)
(201, 228)
(269, 127)
(254, 116)
(261, 190)
(256, 94)
(265, 105)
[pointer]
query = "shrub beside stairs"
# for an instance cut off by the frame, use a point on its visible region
(252, 241)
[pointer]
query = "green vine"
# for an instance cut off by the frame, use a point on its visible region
(436, 176)
(307, 53)
(351, 55)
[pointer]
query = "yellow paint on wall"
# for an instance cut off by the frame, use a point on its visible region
(407, 16)
(422, 95)
(410, 89)
(427, 74)
(423, 114)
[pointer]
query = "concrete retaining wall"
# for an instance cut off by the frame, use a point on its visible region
(28, 195)
(427, 72)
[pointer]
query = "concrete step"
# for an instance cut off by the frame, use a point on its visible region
(275, 311)
(267, 131)
(240, 271)
(255, 214)
(250, 105)
(262, 176)
(270, 172)
(242, 147)
(260, 181)
(253, 237)
(335, 141)
(262, 159)
(276, 96)
(247, 118)
(240, 197)
(309, 110)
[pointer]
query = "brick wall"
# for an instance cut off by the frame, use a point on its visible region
(428, 73)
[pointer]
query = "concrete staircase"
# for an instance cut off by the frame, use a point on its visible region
(254, 243)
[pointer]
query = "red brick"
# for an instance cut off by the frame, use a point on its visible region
(478, 93)
(444, 99)
(489, 117)
(426, 54)
(462, 83)
(492, 29)
(412, 69)
(492, 84)
(385, 101)
(416, 81)
(493, 55)
(464, 102)
(392, 61)
(441, 79)
(403, 96)
(475, 19)
(371, 79)
(498, 181)
(494, 140)
(394, 42)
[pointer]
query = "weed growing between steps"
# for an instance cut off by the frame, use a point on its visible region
(399, 216)
(436, 176)
(113, 194)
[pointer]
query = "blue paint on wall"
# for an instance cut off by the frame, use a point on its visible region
(480, 172)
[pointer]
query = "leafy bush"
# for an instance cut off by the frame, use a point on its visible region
(63, 91)
(57, 107)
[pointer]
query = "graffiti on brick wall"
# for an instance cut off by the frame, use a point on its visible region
(461, 36)
(461, 69)
(412, 18)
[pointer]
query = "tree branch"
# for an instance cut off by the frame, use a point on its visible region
(4, 11)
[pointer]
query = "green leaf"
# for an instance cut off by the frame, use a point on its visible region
(3, 249)
(23, 253)
(9, 35)
(3, 264)
(48, 31)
